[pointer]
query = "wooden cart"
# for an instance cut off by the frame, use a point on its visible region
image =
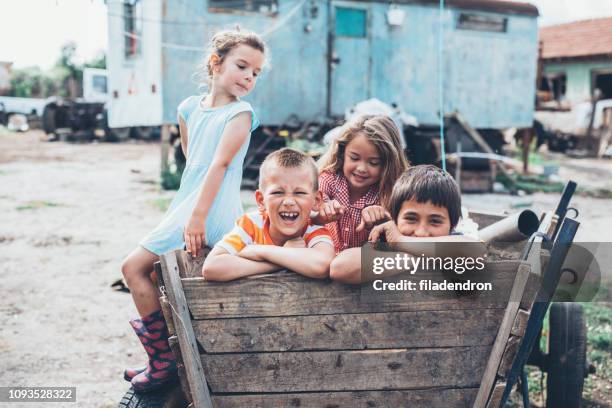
(282, 340)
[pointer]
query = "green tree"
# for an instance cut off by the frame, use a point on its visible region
(64, 79)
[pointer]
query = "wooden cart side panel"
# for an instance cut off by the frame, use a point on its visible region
(446, 328)
(365, 370)
(447, 398)
(289, 294)
(184, 330)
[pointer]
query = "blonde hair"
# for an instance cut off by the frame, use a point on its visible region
(382, 132)
(287, 158)
(222, 43)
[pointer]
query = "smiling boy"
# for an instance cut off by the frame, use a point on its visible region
(279, 235)
(425, 208)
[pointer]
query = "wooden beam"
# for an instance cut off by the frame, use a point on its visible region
(490, 373)
(432, 398)
(289, 294)
(184, 331)
(365, 370)
(449, 328)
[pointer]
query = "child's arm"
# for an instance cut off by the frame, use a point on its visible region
(220, 265)
(426, 246)
(184, 135)
(236, 132)
(311, 262)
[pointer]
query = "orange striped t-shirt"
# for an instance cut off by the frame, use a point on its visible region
(254, 229)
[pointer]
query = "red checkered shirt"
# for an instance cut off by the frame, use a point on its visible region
(335, 187)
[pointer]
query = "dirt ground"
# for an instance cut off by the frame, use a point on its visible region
(69, 213)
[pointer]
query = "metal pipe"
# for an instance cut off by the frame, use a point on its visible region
(513, 228)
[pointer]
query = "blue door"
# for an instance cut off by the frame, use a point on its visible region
(351, 60)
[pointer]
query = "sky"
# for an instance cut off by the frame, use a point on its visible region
(33, 31)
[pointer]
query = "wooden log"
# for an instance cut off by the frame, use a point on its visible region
(496, 395)
(512, 347)
(184, 331)
(287, 294)
(432, 398)
(449, 328)
(366, 370)
(520, 323)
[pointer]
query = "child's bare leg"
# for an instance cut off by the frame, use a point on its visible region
(136, 270)
(346, 266)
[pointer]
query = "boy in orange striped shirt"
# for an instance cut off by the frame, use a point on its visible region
(280, 235)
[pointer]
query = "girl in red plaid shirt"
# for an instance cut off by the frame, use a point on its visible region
(357, 175)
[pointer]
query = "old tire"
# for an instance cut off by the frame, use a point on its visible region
(167, 397)
(566, 359)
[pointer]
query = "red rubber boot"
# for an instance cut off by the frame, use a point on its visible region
(161, 368)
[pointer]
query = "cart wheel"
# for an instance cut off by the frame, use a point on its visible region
(566, 355)
(167, 397)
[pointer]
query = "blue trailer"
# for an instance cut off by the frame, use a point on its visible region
(476, 57)
(328, 55)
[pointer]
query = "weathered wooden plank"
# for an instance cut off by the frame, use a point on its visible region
(496, 395)
(509, 354)
(527, 270)
(520, 323)
(192, 267)
(503, 334)
(531, 290)
(184, 331)
(450, 328)
(366, 370)
(286, 294)
(432, 398)
(174, 345)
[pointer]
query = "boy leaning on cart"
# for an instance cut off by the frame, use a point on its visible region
(280, 234)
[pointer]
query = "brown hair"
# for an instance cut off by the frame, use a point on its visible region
(287, 158)
(384, 134)
(224, 41)
(425, 183)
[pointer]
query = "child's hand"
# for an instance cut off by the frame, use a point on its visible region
(371, 216)
(331, 211)
(295, 243)
(388, 230)
(250, 252)
(195, 235)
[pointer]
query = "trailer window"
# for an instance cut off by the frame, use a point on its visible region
(259, 6)
(350, 22)
(132, 15)
(480, 22)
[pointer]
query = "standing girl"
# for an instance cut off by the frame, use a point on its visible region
(356, 177)
(215, 131)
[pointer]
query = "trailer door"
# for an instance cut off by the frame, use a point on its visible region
(350, 59)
